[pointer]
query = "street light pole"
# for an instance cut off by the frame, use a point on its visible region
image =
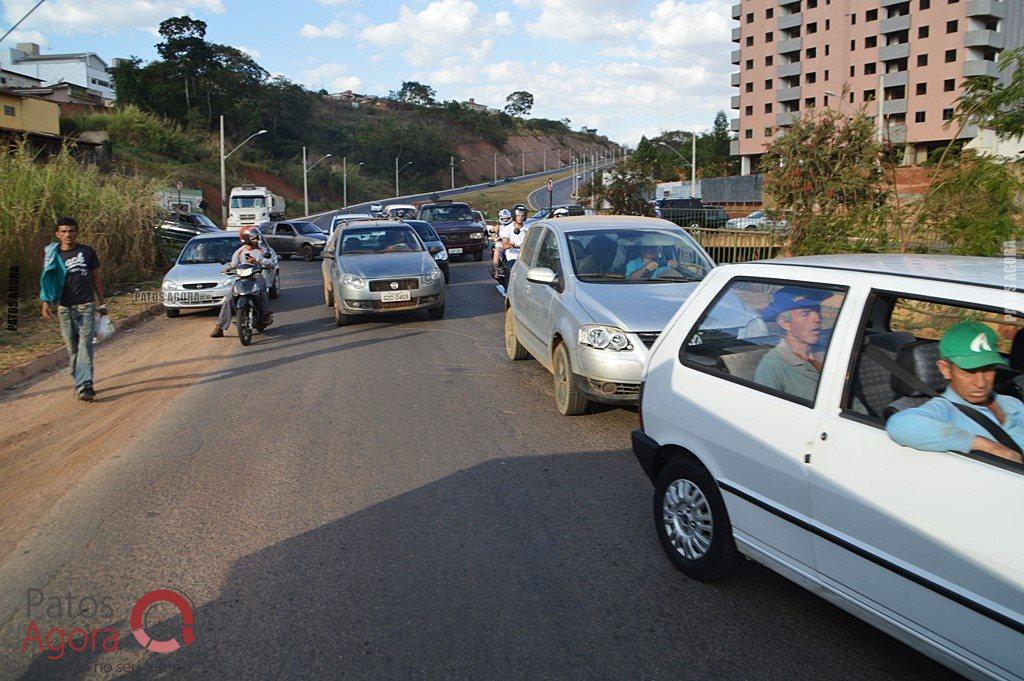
(692, 162)
(305, 174)
(453, 171)
(545, 160)
(223, 176)
(398, 170)
(524, 162)
(495, 166)
(344, 180)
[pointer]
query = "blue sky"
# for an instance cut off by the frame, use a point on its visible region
(626, 68)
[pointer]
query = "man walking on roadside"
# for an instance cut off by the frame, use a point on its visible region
(71, 285)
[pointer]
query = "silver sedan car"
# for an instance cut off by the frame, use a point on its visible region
(380, 267)
(589, 296)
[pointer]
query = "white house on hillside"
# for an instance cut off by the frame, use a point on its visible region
(84, 68)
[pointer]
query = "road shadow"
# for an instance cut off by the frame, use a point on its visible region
(532, 567)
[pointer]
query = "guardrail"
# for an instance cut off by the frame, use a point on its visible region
(738, 245)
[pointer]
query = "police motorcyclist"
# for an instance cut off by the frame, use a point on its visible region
(249, 253)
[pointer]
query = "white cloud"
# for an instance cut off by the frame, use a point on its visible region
(442, 28)
(335, 29)
(67, 17)
(255, 54)
(332, 77)
(581, 20)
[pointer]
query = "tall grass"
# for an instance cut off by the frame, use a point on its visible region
(116, 215)
(145, 133)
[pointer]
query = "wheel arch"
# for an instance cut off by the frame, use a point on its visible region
(668, 453)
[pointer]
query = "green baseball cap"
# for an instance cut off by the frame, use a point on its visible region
(970, 345)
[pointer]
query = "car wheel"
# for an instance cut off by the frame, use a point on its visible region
(340, 318)
(307, 253)
(513, 348)
(692, 523)
(275, 290)
(478, 256)
(436, 313)
(569, 399)
(286, 256)
(172, 312)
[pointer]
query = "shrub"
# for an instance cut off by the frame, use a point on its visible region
(145, 133)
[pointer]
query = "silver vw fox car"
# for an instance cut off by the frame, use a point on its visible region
(589, 296)
(380, 267)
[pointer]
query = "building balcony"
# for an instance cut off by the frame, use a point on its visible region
(787, 3)
(788, 94)
(734, 102)
(734, 148)
(983, 38)
(981, 67)
(789, 70)
(897, 51)
(892, 107)
(890, 3)
(737, 12)
(790, 45)
(735, 56)
(734, 125)
(995, 9)
(790, 21)
(786, 118)
(894, 24)
(897, 134)
(734, 79)
(896, 79)
(736, 34)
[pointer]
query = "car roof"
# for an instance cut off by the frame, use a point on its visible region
(443, 203)
(956, 269)
(364, 224)
(580, 223)
(217, 235)
(399, 205)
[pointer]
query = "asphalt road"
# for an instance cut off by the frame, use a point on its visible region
(395, 499)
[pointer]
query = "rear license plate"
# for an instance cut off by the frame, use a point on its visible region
(395, 296)
(454, 251)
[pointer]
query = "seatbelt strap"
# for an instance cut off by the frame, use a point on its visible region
(911, 379)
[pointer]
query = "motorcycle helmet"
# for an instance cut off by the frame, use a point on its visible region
(519, 207)
(504, 216)
(248, 234)
(560, 213)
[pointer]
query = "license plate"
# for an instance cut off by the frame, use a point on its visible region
(395, 296)
(454, 251)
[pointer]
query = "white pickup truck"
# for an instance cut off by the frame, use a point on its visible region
(252, 205)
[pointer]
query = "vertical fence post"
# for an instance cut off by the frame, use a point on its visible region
(13, 282)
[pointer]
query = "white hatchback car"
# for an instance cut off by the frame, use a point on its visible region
(788, 462)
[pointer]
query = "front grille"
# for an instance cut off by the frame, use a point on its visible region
(400, 305)
(628, 389)
(649, 337)
(403, 285)
(199, 287)
(621, 389)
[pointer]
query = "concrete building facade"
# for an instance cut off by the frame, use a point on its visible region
(84, 69)
(903, 59)
(20, 114)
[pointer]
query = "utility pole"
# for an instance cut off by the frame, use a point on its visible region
(558, 161)
(545, 160)
(344, 181)
(524, 162)
(223, 181)
(396, 177)
(495, 166)
(693, 167)
(453, 171)
(881, 106)
(305, 184)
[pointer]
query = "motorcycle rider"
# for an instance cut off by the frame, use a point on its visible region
(249, 253)
(512, 237)
(504, 218)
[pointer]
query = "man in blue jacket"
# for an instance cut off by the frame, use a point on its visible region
(71, 286)
(968, 361)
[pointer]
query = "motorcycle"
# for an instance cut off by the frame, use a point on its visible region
(245, 293)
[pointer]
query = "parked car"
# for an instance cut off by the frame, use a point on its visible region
(345, 218)
(177, 227)
(295, 238)
(400, 211)
(573, 209)
(508, 178)
(756, 220)
(460, 230)
(196, 282)
(583, 302)
(691, 213)
(926, 546)
(434, 245)
(380, 267)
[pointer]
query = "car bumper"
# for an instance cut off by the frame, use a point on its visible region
(645, 450)
(363, 301)
(195, 300)
(604, 376)
(476, 246)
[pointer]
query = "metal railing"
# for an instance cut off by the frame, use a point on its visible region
(738, 245)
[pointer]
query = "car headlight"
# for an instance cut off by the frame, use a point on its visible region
(352, 281)
(441, 255)
(604, 337)
(476, 235)
(432, 276)
(171, 285)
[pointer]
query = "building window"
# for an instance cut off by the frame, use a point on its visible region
(853, 46)
(811, 78)
(851, 97)
(922, 60)
(768, 108)
(768, 84)
(925, 4)
(8, 110)
(750, 87)
(749, 65)
(869, 95)
(767, 132)
(748, 133)
(826, 75)
(749, 110)
(853, 18)
(870, 69)
(950, 56)
(811, 4)
(871, 15)
(769, 37)
(750, 41)
(809, 103)
(919, 117)
(949, 85)
(769, 60)
(812, 27)
(812, 52)
(826, 49)
(769, 13)
(952, 26)
(828, 24)
(922, 32)
(871, 41)
(750, 17)
(947, 114)
(921, 89)
(853, 71)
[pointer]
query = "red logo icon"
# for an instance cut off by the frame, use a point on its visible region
(162, 596)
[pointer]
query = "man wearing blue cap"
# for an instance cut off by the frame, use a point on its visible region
(794, 365)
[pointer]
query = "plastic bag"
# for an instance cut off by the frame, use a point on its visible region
(104, 328)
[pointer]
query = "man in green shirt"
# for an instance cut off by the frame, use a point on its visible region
(794, 365)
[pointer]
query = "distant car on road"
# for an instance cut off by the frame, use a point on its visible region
(296, 237)
(178, 227)
(345, 218)
(691, 213)
(380, 267)
(508, 178)
(756, 220)
(434, 245)
(588, 297)
(196, 282)
(459, 229)
(573, 209)
(400, 211)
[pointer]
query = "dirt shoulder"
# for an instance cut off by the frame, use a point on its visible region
(49, 440)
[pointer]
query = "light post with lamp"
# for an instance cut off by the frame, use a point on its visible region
(344, 179)
(305, 178)
(223, 176)
(692, 162)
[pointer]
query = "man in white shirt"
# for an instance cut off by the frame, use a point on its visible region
(512, 237)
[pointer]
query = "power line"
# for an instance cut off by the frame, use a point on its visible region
(15, 27)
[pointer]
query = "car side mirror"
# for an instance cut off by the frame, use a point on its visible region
(542, 275)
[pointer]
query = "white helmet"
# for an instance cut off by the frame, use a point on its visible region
(560, 213)
(504, 216)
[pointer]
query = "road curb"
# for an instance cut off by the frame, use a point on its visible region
(54, 359)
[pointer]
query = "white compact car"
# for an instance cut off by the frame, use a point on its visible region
(754, 451)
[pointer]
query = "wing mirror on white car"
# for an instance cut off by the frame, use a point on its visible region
(542, 275)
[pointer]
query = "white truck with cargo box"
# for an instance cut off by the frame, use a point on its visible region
(252, 205)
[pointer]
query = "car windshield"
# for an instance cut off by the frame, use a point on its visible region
(375, 240)
(635, 256)
(208, 251)
(454, 213)
(204, 223)
(248, 202)
(424, 229)
(307, 228)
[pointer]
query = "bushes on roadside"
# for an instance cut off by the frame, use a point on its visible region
(144, 133)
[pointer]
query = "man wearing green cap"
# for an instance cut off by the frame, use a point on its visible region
(968, 361)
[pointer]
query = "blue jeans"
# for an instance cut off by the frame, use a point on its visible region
(77, 324)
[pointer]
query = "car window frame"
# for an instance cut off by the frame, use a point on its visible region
(286, 225)
(846, 290)
(546, 232)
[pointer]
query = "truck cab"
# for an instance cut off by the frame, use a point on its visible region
(252, 205)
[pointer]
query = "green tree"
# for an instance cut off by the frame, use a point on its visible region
(629, 183)
(519, 103)
(997, 104)
(415, 93)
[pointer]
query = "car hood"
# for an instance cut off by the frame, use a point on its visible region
(387, 265)
(633, 307)
(195, 274)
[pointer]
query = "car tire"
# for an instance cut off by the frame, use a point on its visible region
(172, 312)
(286, 256)
(692, 522)
(513, 348)
(275, 290)
(307, 253)
(436, 313)
(340, 318)
(569, 399)
(478, 256)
